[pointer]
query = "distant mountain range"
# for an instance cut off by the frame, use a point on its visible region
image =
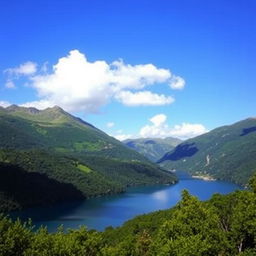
(152, 148)
(226, 153)
(50, 156)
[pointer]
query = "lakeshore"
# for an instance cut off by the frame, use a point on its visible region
(202, 177)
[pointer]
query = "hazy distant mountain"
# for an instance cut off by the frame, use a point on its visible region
(227, 153)
(152, 148)
(49, 156)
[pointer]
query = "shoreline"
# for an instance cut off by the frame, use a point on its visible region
(201, 177)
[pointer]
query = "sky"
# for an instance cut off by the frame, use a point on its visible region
(148, 68)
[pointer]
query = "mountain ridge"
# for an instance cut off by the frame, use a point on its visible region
(227, 153)
(68, 151)
(152, 148)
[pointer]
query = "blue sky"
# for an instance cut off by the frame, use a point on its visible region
(202, 55)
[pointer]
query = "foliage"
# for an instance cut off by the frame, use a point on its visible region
(226, 153)
(224, 225)
(50, 156)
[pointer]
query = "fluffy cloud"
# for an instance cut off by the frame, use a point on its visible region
(77, 84)
(40, 104)
(158, 120)
(143, 98)
(126, 76)
(177, 83)
(160, 129)
(110, 124)
(27, 68)
(123, 137)
(187, 130)
(4, 103)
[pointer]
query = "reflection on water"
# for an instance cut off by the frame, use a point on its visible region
(99, 213)
(160, 195)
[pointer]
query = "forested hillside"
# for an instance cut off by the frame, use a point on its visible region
(224, 225)
(62, 153)
(226, 153)
(152, 148)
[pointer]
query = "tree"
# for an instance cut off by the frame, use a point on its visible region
(252, 183)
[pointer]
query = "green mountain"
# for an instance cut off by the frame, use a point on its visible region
(226, 153)
(50, 156)
(152, 148)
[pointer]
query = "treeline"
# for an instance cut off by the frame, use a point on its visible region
(38, 178)
(68, 152)
(224, 225)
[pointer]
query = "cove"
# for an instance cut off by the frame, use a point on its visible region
(114, 210)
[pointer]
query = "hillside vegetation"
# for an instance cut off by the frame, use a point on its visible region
(62, 153)
(224, 225)
(226, 153)
(152, 148)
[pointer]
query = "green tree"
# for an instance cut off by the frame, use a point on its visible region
(252, 183)
(243, 225)
(194, 229)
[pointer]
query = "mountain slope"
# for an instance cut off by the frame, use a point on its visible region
(226, 153)
(56, 129)
(69, 153)
(152, 148)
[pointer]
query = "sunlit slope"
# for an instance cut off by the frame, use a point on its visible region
(227, 153)
(67, 150)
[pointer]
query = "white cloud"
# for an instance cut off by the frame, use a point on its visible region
(4, 103)
(158, 120)
(110, 124)
(40, 104)
(187, 130)
(27, 68)
(160, 129)
(143, 98)
(77, 84)
(153, 131)
(10, 84)
(122, 137)
(177, 82)
(126, 76)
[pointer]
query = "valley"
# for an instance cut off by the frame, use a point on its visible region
(63, 173)
(68, 151)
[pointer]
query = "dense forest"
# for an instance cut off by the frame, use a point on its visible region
(223, 225)
(225, 153)
(61, 157)
(38, 178)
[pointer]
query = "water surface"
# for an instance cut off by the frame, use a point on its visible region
(99, 213)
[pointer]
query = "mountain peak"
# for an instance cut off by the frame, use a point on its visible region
(33, 110)
(55, 109)
(12, 107)
(16, 108)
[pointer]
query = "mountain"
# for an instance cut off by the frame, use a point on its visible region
(226, 153)
(50, 156)
(152, 148)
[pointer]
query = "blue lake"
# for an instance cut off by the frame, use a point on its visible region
(99, 213)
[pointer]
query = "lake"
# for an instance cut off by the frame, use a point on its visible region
(114, 210)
